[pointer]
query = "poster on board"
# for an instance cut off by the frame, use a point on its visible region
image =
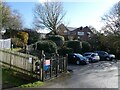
(30, 60)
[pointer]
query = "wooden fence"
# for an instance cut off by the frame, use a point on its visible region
(44, 68)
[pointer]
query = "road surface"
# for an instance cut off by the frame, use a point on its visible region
(103, 74)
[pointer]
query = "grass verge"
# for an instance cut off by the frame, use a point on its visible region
(10, 80)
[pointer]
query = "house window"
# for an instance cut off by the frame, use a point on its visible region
(80, 33)
(88, 34)
(65, 32)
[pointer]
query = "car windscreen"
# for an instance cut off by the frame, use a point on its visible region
(86, 54)
(78, 55)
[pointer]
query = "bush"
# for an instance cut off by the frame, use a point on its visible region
(85, 47)
(33, 37)
(23, 36)
(17, 42)
(65, 50)
(20, 39)
(47, 45)
(59, 40)
(75, 45)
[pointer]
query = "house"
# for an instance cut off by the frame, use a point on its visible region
(65, 31)
(81, 33)
(71, 33)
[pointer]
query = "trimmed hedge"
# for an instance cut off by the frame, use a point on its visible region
(65, 50)
(59, 40)
(78, 46)
(47, 45)
(75, 45)
(85, 47)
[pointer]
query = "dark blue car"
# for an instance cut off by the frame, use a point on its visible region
(77, 59)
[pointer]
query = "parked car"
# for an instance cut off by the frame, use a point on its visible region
(93, 57)
(77, 58)
(105, 56)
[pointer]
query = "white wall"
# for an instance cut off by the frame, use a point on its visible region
(5, 43)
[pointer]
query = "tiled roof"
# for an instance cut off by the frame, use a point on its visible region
(71, 28)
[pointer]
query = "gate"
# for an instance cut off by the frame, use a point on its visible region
(51, 66)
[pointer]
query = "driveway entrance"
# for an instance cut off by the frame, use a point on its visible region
(103, 74)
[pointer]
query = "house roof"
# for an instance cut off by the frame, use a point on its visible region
(71, 28)
(44, 31)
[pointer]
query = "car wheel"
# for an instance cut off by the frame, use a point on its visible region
(107, 58)
(90, 60)
(77, 62)
(113, 59)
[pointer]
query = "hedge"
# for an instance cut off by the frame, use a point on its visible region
(86, 47)
(65, 50)
(75, 45)
(59, 40)
(47, 45)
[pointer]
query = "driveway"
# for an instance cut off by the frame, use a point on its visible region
(103, 74)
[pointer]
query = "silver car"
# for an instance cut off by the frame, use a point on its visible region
(93, 57)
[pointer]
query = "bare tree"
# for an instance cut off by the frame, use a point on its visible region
(93, 30)
(15, 21)
(9, 18)
(112, 19)
(49, 15)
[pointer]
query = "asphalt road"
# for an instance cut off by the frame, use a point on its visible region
(103, 74)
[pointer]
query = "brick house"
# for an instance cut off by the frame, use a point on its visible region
(65, 31)
(81, 33)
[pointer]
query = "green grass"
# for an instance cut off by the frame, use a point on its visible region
(34, 84)
(15, 49)
(8, 77)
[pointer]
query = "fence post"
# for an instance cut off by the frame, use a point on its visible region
(33, 64)
(57, 58)
(10, 61)
(43, 59)
(51, 67)
(66, 61)
(63, 61)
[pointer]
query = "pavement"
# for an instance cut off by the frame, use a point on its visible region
(103, 74)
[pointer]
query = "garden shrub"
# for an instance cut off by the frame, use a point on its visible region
(59, 40)
(86, 47)
(65, 50)
(33, 37)
(17, 42)
(23, 36)
(20, 39)
(75, 45)
(47, 45)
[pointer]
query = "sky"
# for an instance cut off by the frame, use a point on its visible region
(78, 12)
